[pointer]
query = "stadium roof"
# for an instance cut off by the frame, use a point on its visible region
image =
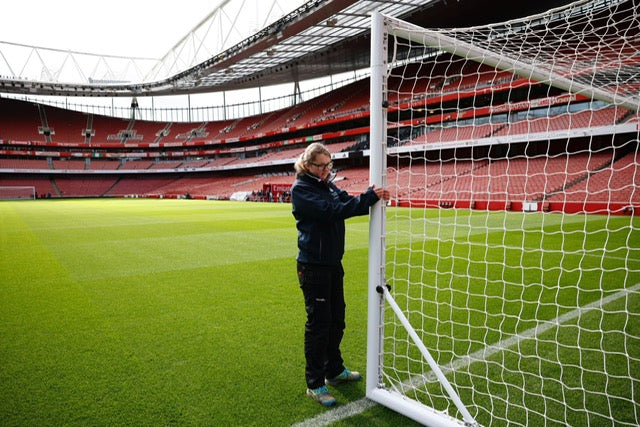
(320, 38)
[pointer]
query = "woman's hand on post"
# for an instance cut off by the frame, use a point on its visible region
(382, 193)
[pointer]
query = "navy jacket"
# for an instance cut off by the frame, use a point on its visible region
(320, 209)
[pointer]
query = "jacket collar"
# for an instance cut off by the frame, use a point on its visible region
(315, 181)
(329, 179)
(313, 177)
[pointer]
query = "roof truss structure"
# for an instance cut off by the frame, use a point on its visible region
(319, 38)
(301, 45)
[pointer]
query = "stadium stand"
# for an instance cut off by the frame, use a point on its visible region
(104, 165)
(69, 165)
(272, 141)
(137, 185)
(86, 186)
(146, 131)
(137, 165)
(65, 125)
(109, 129)
(20, 121)
(613, 181)
(35, 164)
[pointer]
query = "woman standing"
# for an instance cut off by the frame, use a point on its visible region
(320, 209)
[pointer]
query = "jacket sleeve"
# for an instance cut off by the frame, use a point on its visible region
(311, 203)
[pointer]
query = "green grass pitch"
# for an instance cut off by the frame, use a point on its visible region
(168, 312)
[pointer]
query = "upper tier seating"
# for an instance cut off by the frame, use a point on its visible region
(19, 121)
(108, 129)
(66, 125)
(146, 132)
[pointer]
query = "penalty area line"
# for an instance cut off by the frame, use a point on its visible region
(354, 408)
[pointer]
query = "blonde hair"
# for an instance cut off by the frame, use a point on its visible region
(309, 155)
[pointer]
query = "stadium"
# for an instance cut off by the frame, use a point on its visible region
(148, 246)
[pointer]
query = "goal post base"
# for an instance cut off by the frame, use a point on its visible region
(414, 410)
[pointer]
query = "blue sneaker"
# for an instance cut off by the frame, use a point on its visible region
(321, 395)
(344, 377)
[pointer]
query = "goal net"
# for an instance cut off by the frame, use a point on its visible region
(17, 192)
(504, 277)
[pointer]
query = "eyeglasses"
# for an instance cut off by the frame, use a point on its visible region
(322, 166)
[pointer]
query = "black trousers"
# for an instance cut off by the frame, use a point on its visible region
(322, 287)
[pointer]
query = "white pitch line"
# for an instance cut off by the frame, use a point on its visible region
(359, 406)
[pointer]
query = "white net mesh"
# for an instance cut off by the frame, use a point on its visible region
(515, 254)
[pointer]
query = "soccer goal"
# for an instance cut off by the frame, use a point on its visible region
(24, 192)
(504, 277)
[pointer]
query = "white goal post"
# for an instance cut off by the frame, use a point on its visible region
(504, 279)
(19, 192)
